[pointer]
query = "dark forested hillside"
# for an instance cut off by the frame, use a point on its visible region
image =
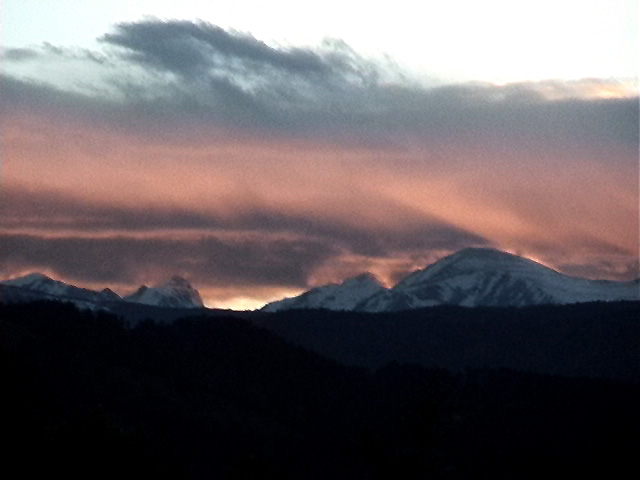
(86, 397)
(599, 340)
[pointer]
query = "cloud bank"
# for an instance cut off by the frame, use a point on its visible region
(261, 166)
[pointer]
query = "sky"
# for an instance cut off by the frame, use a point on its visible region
(260, 149)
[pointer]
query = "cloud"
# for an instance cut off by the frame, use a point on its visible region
(53, 215)
(213, 260)
(331, 89)
(47, 52)
(102, 243)
(193, 138)
(623, 267)
(363, 115)
(126, 259)
(241, 79)
(19, 54)
(184, 79)
(196, 48)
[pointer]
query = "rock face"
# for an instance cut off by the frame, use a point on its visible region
(176, 293)
(471, 277)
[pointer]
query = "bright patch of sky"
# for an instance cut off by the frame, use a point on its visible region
(453, 41)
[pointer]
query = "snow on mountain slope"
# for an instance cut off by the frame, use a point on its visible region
(471, 277)
(50, 288)
(176, 293)
(488, 277)
(342, 296)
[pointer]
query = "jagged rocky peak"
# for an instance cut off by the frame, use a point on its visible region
(177, 292)
(109, 294)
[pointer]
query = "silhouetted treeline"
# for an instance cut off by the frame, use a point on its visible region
(85, 397)
(598, 340)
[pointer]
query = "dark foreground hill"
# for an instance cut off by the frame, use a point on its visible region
(85, 397)
(599, 340)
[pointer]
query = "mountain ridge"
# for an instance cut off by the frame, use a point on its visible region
(176, 293)
(471, 277)
(476, 277)
(335, 296)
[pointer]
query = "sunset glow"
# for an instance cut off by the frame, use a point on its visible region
(258, 169)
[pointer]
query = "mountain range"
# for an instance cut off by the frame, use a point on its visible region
(176, 293)
(473, 277)
(446, 392)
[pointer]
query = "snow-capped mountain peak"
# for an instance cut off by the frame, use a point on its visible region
(364, 283)
(50, 288)
(177, 292)
(34, 281)
(470, 277)
(488, 277)
(474, 260)
(336, 296)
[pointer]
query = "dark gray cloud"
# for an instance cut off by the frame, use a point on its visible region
(209, 259)
(195, 48)
(20, 54)
(377, 117)
(206, 259)
(424, 233)
(48, 51)
(331, 89)
(51, 212)
(234, 78)
(202, 78)
(628, 269)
